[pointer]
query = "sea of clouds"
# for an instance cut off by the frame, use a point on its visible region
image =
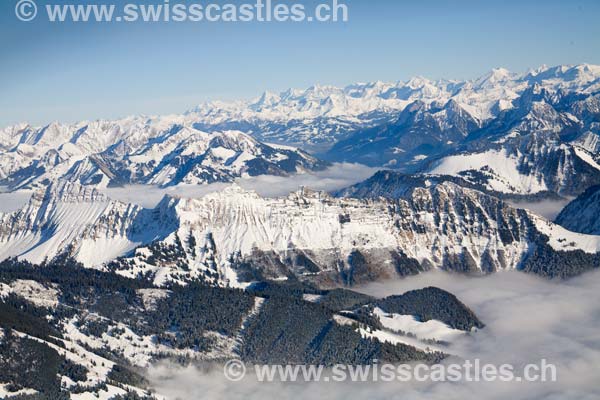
(336, 177)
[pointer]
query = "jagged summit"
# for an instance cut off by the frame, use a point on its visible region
(505, 134)
(292, 103)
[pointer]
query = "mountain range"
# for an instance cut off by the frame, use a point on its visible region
(98, 289)
(525, 134)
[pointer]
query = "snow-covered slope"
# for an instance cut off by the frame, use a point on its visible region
(516, 134)
(524, 166)
(86, 334)
(546, 144)
(70, 217)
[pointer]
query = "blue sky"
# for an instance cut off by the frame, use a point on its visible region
(75, 71)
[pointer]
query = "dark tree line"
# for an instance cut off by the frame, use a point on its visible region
(432, 303)
(548, 262)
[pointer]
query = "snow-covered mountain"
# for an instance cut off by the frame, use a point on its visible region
(235, 236)
(546, 145)
(163, 282)
(153, 151)
(320, 116)
(514, 134)
(67, 216)
(503, 134)
(392, 184)
(533, 165)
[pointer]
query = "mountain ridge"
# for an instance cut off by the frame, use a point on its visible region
(234, 236)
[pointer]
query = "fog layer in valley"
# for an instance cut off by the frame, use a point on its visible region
(527, 318)
(336, 177)
(548, 209)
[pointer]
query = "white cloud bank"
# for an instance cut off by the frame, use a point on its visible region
(528, 319)
(548, 209)
(336, 177)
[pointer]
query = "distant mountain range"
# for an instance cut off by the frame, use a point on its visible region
(522, 134)
(136, 151)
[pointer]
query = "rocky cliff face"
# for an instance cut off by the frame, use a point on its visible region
(236, 236)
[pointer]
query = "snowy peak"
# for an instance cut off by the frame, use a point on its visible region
(268, 99)
(582, 72)
(504, 133)
(318, 101)
(497, 76)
